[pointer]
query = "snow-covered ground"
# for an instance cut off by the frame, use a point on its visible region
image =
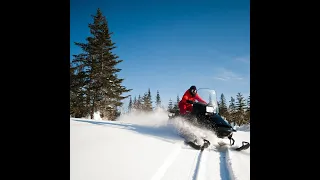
(148, 147)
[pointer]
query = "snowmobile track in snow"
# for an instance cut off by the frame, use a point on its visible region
(191, 164)
(225, 169)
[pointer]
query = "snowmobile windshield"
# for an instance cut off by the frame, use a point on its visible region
(210, 96)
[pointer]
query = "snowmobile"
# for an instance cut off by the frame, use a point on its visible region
(207, 116)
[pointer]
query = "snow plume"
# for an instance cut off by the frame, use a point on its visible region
(96, 116)
(245, 127)
(173, 128)
(153, 124)
(155, 118)
(191, 132)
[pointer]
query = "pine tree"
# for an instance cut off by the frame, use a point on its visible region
(248, 110)
(223, 109)
(98, 64)
(78, 105)
(248, 103)
(240, 108)
(150, 107)
(232, 110)
(134, 105)
(130, 104)
(158, 100)
(139, 103)
(240, 104)
(176, 105)
(170, 106)
(147, 102)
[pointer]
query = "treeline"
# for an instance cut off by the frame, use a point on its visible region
(173, 106)
(238, 110)
(94, 83)
(144, 103)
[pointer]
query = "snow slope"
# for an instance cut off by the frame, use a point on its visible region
(147, 147)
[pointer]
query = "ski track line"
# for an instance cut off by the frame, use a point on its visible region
(226, 171)
(214, 165)
(167, 163)
(180, 164)
(200, 163)
(210, 164)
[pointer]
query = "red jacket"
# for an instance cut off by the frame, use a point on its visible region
(187, 96)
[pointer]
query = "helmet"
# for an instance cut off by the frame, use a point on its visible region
(193, 90)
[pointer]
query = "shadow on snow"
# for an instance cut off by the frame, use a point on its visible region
(165, 133)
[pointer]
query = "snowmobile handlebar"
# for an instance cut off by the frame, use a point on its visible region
(190, 102)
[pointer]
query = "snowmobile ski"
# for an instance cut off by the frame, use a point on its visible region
(196, 146)
(245, 145)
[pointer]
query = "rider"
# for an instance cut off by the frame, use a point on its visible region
(185, 105)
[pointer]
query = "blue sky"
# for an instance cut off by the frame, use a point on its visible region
(169, 45)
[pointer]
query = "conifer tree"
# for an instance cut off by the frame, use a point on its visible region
(147, 102)
(248, 103)
(78, 105)
(248, 110)
(134, 105)
(103, 88)
(232, 110)
(158, 100)
(176, 105)
(130, 104)
(240, 108)
(223, 109)
(170, 106)
(150, 107)
(139, 103)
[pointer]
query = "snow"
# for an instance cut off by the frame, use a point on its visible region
(242, 128)
(143, 146)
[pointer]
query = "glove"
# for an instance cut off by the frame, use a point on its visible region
(189, 101)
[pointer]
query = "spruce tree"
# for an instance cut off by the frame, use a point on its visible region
(78, 105)
(170, 106)
(223, 109)
(139, 103)
(130, 104)
(232, 110)
(103, 87)
(248, 110)
(248, 103)
(240, 108)
(147, 102)
(176, 105)
(158, 100)
(150, 107)
(134, 103)
(240, 103)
